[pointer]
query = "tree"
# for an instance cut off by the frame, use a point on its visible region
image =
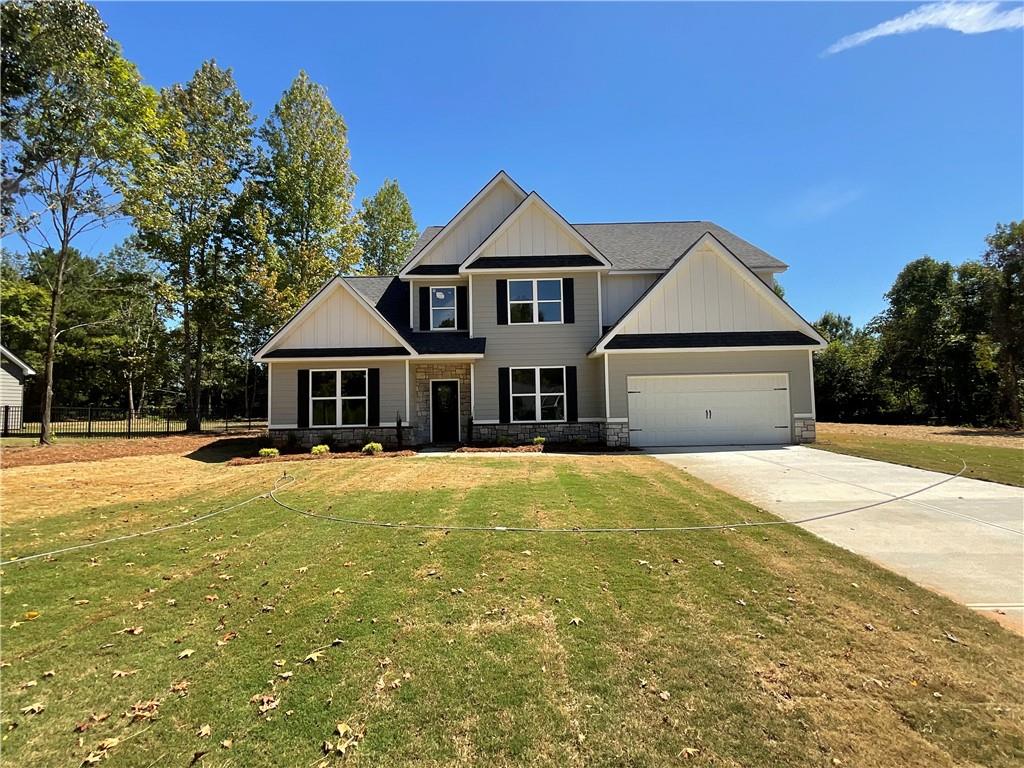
(307, 187)
(72, 149)
(835, 327)
(184, 213)
(389, 231)
(1005, 255)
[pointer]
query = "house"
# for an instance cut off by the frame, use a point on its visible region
(13, 372)
(509, 322)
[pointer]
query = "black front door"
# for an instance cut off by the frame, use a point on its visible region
(444, 411)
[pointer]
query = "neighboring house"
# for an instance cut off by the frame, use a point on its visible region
(511, 322)
(13, 372)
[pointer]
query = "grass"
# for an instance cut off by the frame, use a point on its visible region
(474, 648)
(984, 462)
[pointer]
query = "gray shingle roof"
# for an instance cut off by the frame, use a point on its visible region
(649, 244)
(655, 245)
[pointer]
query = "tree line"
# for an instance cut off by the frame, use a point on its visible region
(235, 222)
(949, 346)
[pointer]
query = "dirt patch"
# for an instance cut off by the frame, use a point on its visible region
(243, 461)
(207, 448)
(501, 449)
(426, 473)
(998, 438)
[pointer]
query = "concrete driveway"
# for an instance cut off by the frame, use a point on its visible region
(964, 539)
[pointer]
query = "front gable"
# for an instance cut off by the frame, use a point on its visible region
(533, 234)
(336, 318)
(710, 292)
(470, 226)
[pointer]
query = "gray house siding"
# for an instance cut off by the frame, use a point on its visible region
(284, 388)
(793, 362)
(537, 345)
(437, 281)
(11, 384)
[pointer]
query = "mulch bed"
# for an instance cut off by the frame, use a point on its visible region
(241, 462)
(500, 449)
(71, 452)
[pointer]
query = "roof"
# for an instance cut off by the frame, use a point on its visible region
(337, 352)
(391, 298)
(528, 262)
(656, 244)
(650, 245)
(710, 339)
(26, 369)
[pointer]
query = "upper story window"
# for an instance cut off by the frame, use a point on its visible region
(442, 308)
(535, 301)
(338, 398)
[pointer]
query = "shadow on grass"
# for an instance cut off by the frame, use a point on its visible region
(224, 449)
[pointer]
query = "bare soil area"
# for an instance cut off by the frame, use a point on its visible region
(67, 453)
(998, 438)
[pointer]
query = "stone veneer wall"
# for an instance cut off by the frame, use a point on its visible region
(521, 434)
(423, 374)
(343, 438)
(616, 434)
(804, 428)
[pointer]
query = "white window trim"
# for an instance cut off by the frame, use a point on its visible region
(537, 394)
(535, 301)
(338, 397)
(454, 307)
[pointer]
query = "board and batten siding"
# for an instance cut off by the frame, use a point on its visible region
(488, 212)
(534, 232)
(793, 362)
(11, 384)
(284, 380)
(338, 321)
(537, 345)
(705, 293)
(620, 292)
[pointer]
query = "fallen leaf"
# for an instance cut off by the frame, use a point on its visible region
(143, 710)
(869, 627)
(313, 658)
(227, 743)
(265, 702)
(124, 672)
(31, 615)
(664, 695)
(129, 631)
(81, 602)
(227, 638)
(186, 653)
(718, 563)
(28, 684)
(951, 637)
(197, 756)
(575, 621)
(285, 675)
(204, 732)
(180, 687)
(33, 709)
(49, 673)
(279, 662)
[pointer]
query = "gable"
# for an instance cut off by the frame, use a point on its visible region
(335, 318)
(471, 225)
(709, 290)
(534, 232)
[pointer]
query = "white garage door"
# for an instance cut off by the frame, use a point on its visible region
(731, 409)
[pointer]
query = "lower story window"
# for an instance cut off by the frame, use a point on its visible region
(538, 394)
(337, 398)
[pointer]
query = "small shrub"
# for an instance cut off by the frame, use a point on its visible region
(372, 449)
(504, 441)
(321, 450)
(538, 440)
(269, 453)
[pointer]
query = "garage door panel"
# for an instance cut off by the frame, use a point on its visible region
(709, 410)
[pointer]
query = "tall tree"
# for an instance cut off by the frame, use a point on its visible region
(389, 231)
(184, 213)
(1005, 255)
(73, 148)
(307, 189)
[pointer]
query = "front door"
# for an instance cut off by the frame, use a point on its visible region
(444, 411)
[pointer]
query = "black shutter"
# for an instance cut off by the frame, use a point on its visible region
(424, 309)
(373, 397)
(571, 407)
(501, 299)
(303, 404)
(504, 394)
(568, 301)
(462, 302)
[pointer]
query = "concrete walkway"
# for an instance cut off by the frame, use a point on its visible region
(964, 539)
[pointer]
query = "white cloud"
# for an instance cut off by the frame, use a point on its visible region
(968, 18)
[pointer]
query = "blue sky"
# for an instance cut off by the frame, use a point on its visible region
(846, 166)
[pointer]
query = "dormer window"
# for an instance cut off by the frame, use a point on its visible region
(535, 301)
(443, 308)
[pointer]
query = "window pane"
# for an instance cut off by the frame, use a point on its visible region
(321, 384)
(443, 318)
(523, 381)
(549, 312)
(552, 407)
(520, 313)
(552, 380)
(324, 413)
(442, 298)
(524, 408)
(353, 383)
(549, 290)
(353, 411)
(520, 290)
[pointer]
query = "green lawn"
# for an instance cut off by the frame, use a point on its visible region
(475, 648)
(984, 462)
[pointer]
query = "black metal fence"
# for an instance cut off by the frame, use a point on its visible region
(97, 421)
